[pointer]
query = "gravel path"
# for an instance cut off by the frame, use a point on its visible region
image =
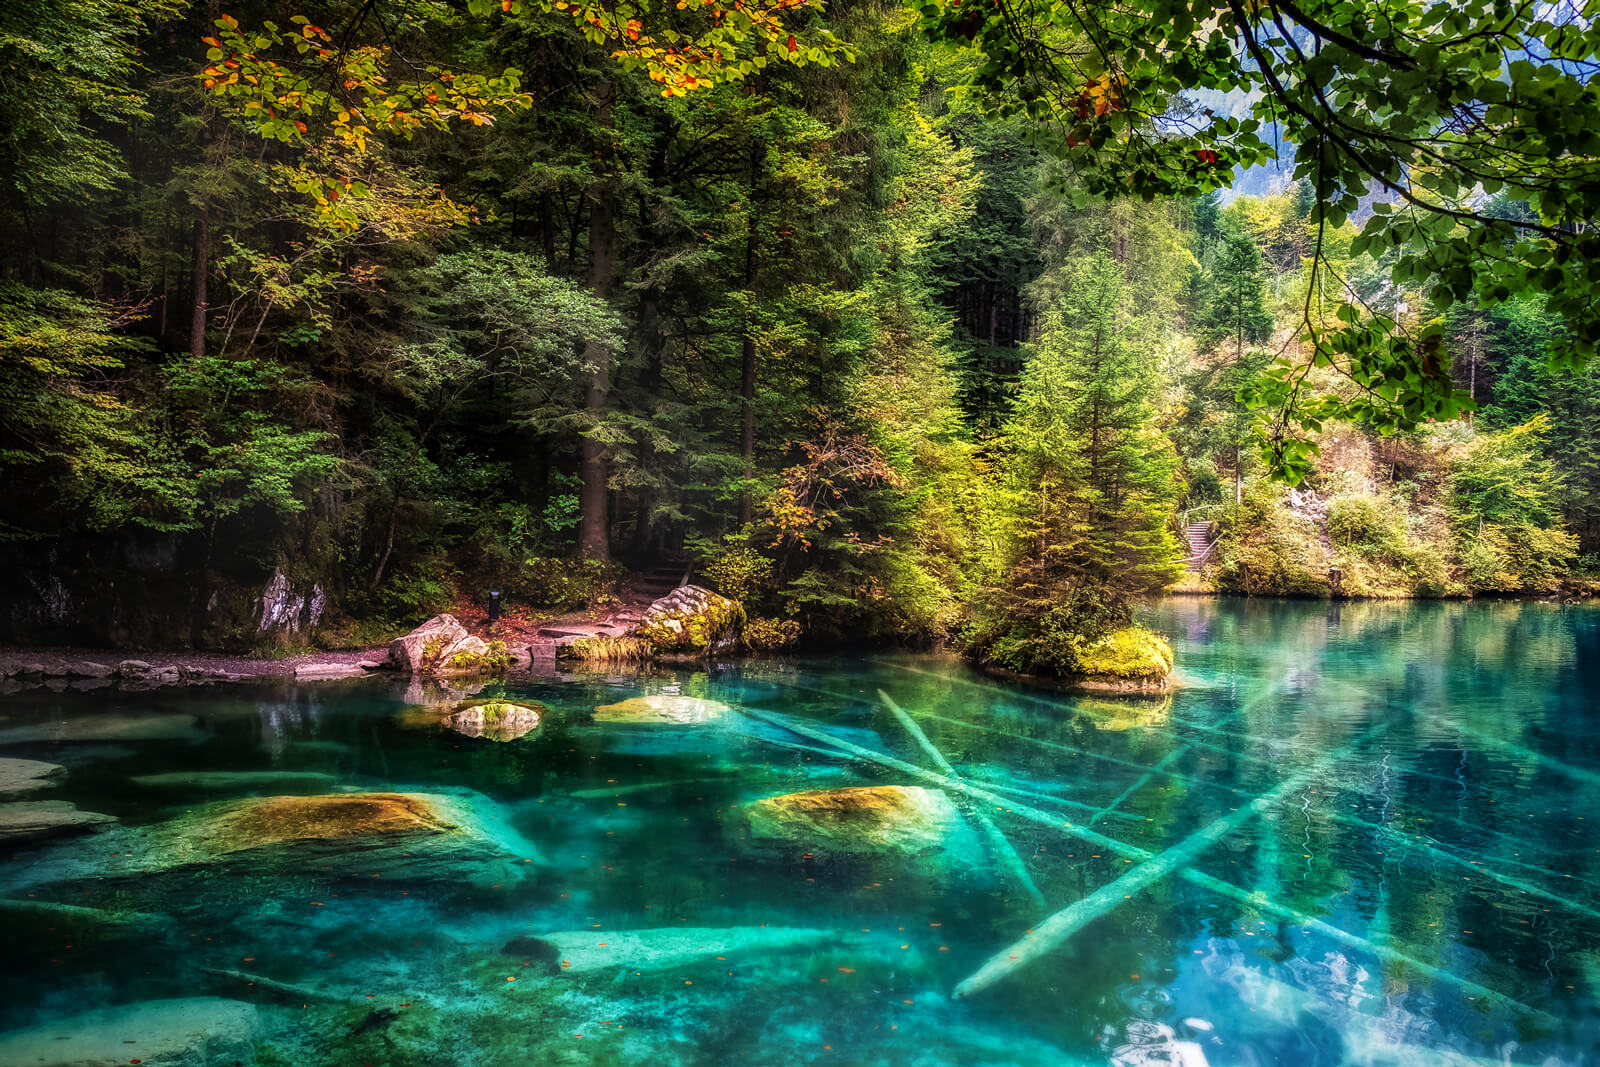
(56, 660)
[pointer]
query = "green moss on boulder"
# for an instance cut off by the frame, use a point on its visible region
(692, 621)
(1129, 659)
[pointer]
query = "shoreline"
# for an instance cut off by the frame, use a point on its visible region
(80, 667)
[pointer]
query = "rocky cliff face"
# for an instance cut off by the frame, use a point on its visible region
(149, 590)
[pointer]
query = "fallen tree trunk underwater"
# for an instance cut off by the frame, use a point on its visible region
(1255, 901)
(1005, 854)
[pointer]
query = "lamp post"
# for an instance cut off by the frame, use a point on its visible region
(494, 605)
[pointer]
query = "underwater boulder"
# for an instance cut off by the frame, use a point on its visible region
(692, 621)
(855, 821)
(497, 720)
(571, 953)
(186, 1032)
(105, 728)
(19, 777)
(670, 708)
(417, 836)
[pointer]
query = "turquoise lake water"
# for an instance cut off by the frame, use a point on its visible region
(1359, 834)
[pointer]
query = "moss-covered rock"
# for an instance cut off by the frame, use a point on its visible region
(1131, 659)
(497, 720)
(692, 621)
(460, 838)
(863, 821)
(442, 646)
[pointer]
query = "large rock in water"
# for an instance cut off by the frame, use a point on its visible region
(861, 821)
(668, 708)
(188, 1032)
(46, 818)
(419, 836)
(693, 621)
(496, 721)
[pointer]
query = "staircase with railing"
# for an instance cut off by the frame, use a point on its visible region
(1199, 534)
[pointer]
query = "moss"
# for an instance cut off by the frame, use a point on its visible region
(497, 658)
(1132, 653)
(696, 628)
(432, 652)
(276, 820)
(770, 635)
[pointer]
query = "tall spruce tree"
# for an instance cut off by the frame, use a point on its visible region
(1088, 486)
(1235, 314)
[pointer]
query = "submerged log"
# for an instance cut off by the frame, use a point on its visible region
(1256, 901)
(1005, 854)
(1054, 931)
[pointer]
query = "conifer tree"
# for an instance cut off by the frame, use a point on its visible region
(1089, 484)
(1235, 315)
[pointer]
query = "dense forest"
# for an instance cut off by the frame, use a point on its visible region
(458, 300)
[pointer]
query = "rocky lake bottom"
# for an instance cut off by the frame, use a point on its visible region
(1357, 834)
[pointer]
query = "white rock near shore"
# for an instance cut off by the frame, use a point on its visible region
(43, 818)
(19, 777)
(440, 645)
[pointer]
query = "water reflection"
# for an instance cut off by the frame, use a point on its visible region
(1360, 833)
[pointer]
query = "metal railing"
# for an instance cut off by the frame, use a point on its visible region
(1189, 516)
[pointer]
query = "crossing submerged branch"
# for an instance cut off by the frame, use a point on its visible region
(1256, 901)
(1005, 854)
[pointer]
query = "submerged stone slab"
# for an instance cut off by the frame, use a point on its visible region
(19, 777)
(421, 836)
(106, 728)
(670, 708)
(226, 781)
(186, 1032)
(577, 952)
(27, 819)
(889, 820)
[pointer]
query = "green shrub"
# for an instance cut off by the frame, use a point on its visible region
(602, 649)
(738, 572)
(1517, 558)
(771, 635)
(565, 584)
(1361, 522)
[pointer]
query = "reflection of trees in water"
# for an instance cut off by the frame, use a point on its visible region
(1433, 839)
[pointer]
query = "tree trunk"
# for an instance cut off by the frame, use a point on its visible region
(594, 534)
(747, 388)
(202, 256)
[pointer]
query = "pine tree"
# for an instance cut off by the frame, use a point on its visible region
(1090, 484)
(1235, 314)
